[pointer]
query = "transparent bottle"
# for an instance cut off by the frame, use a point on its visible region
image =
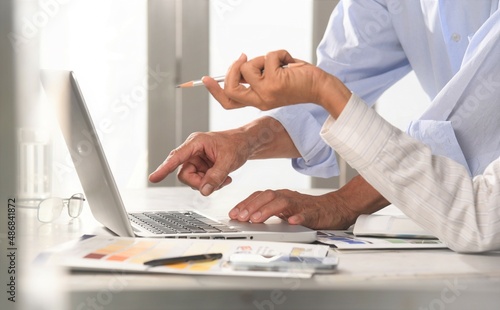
(35, 166)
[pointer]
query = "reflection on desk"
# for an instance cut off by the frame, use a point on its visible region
(371, 279)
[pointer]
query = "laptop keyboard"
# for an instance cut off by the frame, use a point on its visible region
(175, 222)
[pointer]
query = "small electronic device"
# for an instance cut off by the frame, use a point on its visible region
(256, 262)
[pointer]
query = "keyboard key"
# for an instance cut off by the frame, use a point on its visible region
(175, 222)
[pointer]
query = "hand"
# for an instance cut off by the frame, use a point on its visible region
(334, 210)
(206, 159)
(316, 212)
(271, 85)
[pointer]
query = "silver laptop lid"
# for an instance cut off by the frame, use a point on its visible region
(86, 151)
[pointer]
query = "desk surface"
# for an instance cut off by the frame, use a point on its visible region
(367, 279)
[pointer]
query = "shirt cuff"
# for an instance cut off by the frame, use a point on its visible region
(359, 133)
(303, 123)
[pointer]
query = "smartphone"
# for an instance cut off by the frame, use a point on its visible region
(256, 262)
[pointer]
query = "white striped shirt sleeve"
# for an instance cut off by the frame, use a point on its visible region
(436, 192)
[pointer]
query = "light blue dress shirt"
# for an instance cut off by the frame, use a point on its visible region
(371, 44)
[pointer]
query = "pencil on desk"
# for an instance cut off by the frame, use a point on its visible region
(222, 77)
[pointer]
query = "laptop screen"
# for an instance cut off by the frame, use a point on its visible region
(86, 151)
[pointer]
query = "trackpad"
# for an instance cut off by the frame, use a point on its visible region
(271, 225)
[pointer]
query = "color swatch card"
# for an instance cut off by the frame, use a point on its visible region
(346, 240)
(130, 254)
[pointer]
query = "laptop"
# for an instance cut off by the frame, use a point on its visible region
(103, 195)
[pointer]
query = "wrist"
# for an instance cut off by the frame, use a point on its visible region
(360, 198)
(266, 137)
(332, 94)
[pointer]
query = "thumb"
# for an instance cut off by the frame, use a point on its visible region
(308, 218)
(297, 219)
(215, 178)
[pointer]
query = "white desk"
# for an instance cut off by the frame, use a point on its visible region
(395, 279)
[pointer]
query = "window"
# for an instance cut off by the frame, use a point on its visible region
(245, 27)
(105, 43)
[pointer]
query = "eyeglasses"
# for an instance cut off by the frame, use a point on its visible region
(50, 209)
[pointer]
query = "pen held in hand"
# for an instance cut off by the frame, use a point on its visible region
(200, 82)
(222, 77)
(183, 259)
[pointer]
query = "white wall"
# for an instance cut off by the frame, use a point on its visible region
(255, 27)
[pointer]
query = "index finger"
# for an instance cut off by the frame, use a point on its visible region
(275, 60)
(239, 94)
(252, 70)
(217, 92)
(233, 76)
(176, 158)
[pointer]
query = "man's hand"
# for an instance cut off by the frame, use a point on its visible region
(206, 159)
(263, 82)
(334, 210)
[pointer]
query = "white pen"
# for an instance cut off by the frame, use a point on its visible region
(223, 77)
(199, 82)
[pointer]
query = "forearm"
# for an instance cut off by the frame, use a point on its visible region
(267, 138)
(363, 198)
(359, 197)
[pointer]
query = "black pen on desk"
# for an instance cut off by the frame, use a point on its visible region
(223, 77)
(183, 259)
